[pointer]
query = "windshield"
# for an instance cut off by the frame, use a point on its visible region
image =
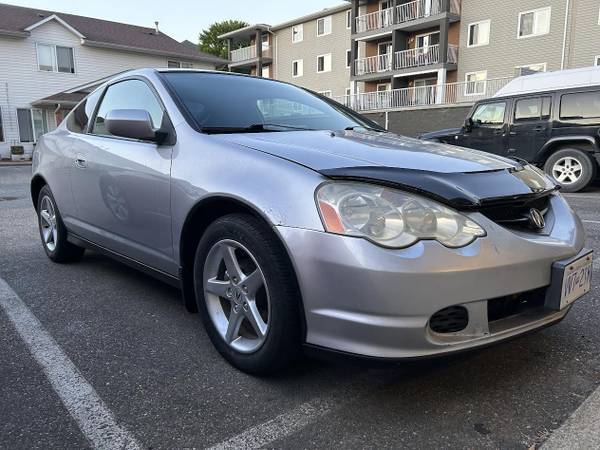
(221, 103)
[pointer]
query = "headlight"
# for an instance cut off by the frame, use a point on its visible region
(391, 218)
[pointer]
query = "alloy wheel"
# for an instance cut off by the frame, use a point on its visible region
(567, 170)
(48, 223)
(237, 296)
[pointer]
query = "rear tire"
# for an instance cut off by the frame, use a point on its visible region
(53, 231)
(247, 294)
(571, 168)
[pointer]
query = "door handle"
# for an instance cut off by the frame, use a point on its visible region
(538, 128)
(512, 133)
(80, 162)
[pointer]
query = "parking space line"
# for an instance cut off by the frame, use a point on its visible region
(581, 429)
(95, 420)
(281, 426)
(590, 221)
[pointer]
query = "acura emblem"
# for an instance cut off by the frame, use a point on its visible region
(536, 219)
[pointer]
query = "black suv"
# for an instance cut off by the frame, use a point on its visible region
(558, 130)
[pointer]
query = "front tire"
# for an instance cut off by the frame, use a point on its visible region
(247, 294)
(53, 231)
(572, 168)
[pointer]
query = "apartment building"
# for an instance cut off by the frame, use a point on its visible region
(51, 59)
(400, 44)
(312, 51)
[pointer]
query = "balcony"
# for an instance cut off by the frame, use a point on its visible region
(422, 96)
(406, 12)
(250, 53)
(405, 59)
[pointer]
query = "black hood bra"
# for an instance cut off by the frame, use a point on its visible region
(463, 191)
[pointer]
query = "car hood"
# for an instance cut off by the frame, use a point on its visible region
(457, 176)
(441, 133)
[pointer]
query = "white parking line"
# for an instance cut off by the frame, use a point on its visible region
(581, 430)
(591, 221)
(281, 426)
(93, 417)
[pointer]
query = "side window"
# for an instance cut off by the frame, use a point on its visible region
(129, 94)
(583, 105)
(490, 114)
(77, 121)
(532, 108)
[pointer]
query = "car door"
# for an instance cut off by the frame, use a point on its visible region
(530, 127)
(488, 128)
(121, 186)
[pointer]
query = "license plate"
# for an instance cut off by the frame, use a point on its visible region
(577, 280)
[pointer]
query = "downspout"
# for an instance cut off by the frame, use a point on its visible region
(564, 44)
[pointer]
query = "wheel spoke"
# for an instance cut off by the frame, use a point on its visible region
(233, 327)
(47, 232)
(217, 287)
(231, 262)
(45, 217)
(54, 235)
(561, 177)
(255, 319)
(253, 283)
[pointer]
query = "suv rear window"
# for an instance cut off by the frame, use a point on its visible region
(583, 105)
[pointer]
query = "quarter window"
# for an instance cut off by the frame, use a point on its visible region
(479, 34)
(583, 105)
(298, 33)
(490, 114)
(534, 23)
(53, 58)
(324, 63)
(129, 94)
(532, 108)
(324, 26)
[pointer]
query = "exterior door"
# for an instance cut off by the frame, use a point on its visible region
(530, 128)
(489, 131)
(425, 91)
(121, 186)
(384, 50)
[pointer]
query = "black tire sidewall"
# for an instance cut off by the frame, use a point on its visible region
(284, 335)
(588, 164)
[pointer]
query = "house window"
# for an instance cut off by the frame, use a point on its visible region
(32, 124)
(297, 68)
(475, 82)
(327, 94)
(597, 61)
(298, 33)
(53, 58)
(324, 26)
(529, 69)
(266, 72)
(348, 92)
(349, 19)
(479, 34)
(348, 58)
(179, 65)
(534, 23)
(1, 128)
(324, 63)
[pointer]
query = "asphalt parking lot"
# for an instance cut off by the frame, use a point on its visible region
(155, 373)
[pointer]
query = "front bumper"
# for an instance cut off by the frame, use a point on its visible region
(366, 300)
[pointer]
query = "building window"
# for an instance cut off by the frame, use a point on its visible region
(1, 128)
(298, 33)
(597, 61)
(324, 26)
(475, 82)
(327, 94)
(534, 23)
(32, 124)
(479, 34)
(266, 72)
(349, 19)
(529, 69)
(324, 63)
(348, 92)
(297, 68)
(179, 65)
(348, 58)
(53, 58)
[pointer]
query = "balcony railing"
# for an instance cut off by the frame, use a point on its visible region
(248, 53)
(374, 64)
(423, 56)
(417, 9)
(442, 94)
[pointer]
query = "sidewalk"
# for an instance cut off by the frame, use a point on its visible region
(4, 163)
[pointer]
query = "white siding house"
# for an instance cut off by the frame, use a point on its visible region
(36, 65)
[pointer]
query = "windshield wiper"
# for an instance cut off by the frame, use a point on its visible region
(255, 128)
(354, 127)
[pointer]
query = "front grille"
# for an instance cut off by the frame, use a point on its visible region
(510, 305)
(516, 214)
(450, 320)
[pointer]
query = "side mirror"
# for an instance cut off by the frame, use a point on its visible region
(130, 123)
(468, 124)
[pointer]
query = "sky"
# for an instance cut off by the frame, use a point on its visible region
(183, 19)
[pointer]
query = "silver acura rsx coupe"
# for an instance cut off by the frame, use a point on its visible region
(290, 222)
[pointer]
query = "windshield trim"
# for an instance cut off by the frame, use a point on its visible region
(191, 121)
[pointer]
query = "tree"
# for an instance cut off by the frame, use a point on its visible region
(209, 38)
